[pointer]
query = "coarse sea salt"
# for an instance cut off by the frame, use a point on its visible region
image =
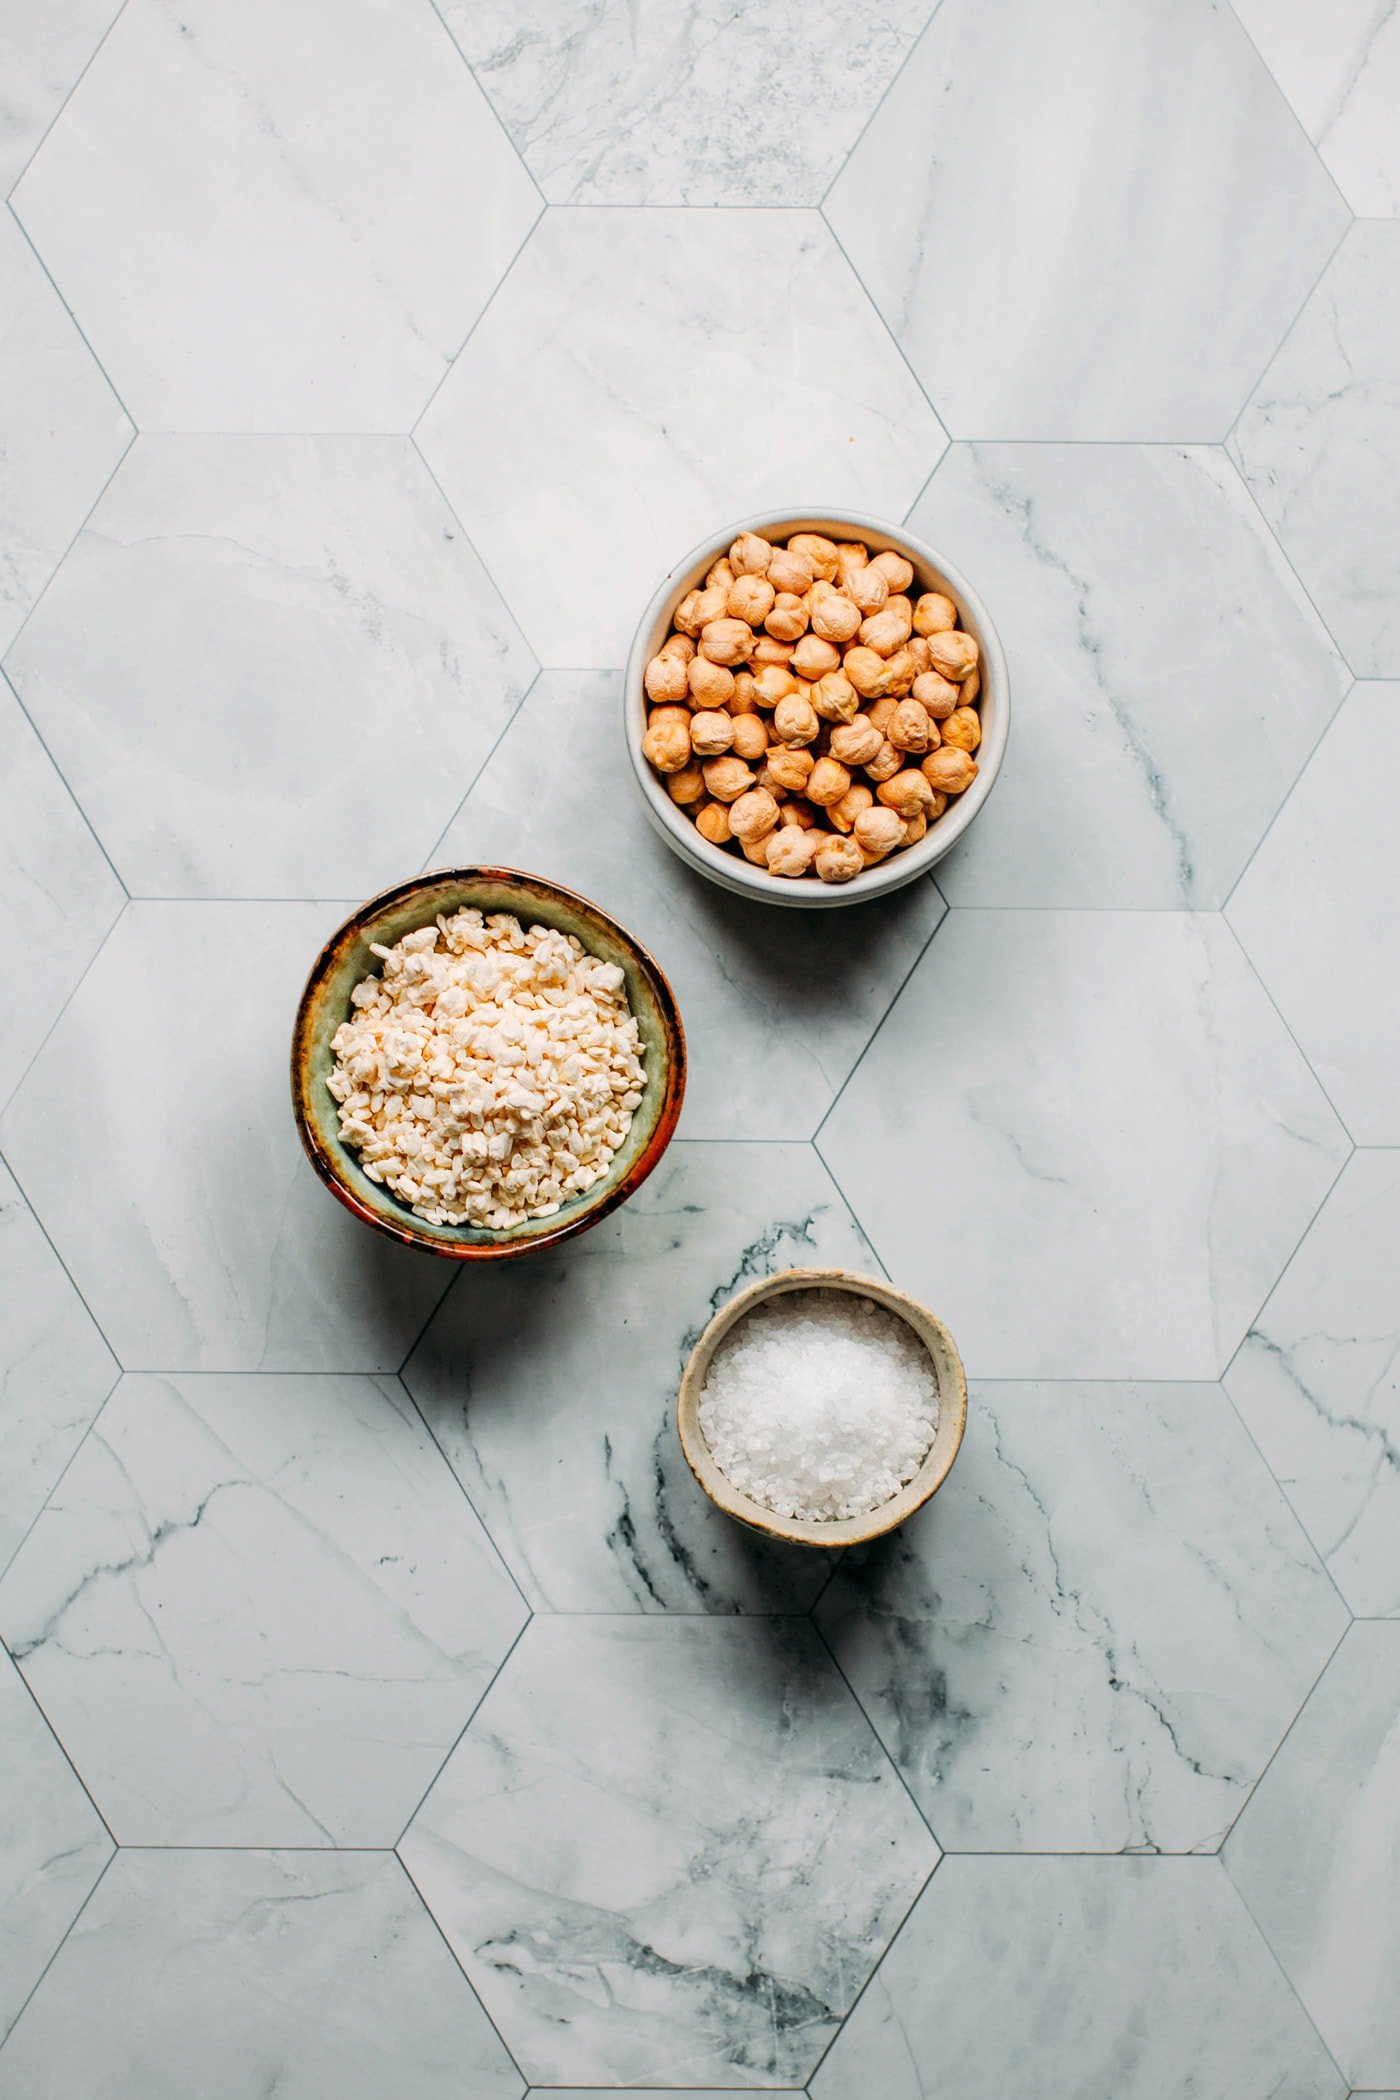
(820, 1404)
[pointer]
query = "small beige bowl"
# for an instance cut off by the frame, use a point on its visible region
(849, 1531)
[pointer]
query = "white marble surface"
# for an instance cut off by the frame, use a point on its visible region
(777, 1006)
(1076, 1979)
(1168, 675)
(273, 218)
(1095, 1637)
(52, 1847)
(242, 621)
(259, 1611)
(242, 1973)
(1086, 221)
(55, 1368)
(1317, 1380)
(1125, 1141)
(1319, 444)
(645, 377)
(668, 1842)
(644, 102)
(1316, 1854)
(43, 51)
(1315, 911)
(1340, 69)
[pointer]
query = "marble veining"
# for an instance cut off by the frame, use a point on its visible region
(668, 1842)
(1340, 69)
(259, 1610)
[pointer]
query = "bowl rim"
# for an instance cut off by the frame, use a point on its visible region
(734, 873)
(844, 1531)
(588, 1213)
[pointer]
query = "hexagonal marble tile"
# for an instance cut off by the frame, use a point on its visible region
(62, 429)
(197, 1232)
(305, 1972)
(1179, 147)
(641, 104)
(626, 395)
(1340, 69)
(43, 51)
(1315, 912)
(668, 1848)
(1134, 587)
(270, 666)
(777, 1005)
(551, 1386)
(277, 222)
(52, 1846)
(1095, 1636)
(1072, 1978)
(55, 1368)
(59, 895)
(258, 1610)
(1316, 1855)
(1316, 1381)
(1319, 444)
(1120, 1150)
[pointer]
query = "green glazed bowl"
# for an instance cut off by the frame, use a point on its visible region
(325, 1003)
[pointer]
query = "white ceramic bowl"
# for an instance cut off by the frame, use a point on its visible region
(931, 573)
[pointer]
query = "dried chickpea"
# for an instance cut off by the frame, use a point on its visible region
(885, 764)
(834, 697)
(801, 814)
(813, 658)
(856, 741)
(787, 767)
(721, 576)
(865, 670)
(881, 711)
(949, 769)
(838, 859)
(727, 641)
(906, 793)
(940, 803)
(711, 733)
(741, 700)
(710, 684)
(751, 599)
(756, 850)
(970, 687)
(750, 555)
(915, 828)
(898, 572)
(753, 815)
(713, 824)
(727, 778)
(820, 552)
(698, 608)
(878, 831)
(667, 739)
(827, 782)
(934, 614)
(918, 649)
(750, 736)
(963, 728)
(934, 693)
(790, 572)
(788, 617)
(768, 650)
(790, 850)
(899, 673)
(772, 683)
(868, 588)
(954, 654)
(834, 617)
(678, 645)
(850, 556)
(884, 632)
(687, 786)
(795, 720)
(908, 729)
(843, 814)
(664, 679)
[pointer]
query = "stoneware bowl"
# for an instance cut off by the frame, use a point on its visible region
(850, 1531)
(932, 572)
(325, 1003)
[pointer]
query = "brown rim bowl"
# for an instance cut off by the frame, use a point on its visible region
(325, 1003)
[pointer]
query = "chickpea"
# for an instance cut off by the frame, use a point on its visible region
(711, 733)
(970, 687)
(827, 782)
(795, 720)
(667, 739)
(843, 814)
(750, 555)
(850, 556)
(868, 588)
(835, 698)
(898, 572)
(940, 803)
(918, 649)
(687, 786)
(801, 814)
(906, 793)
(698, 608)
(963, 728)
(721, 576)
(821, 553)
(855, 742)
(865, 670)
(788, 618)
(756, 850)
(772, 683)
(881, 711)
(713, 824)
(790, 850)
(750, 599)
(899, 673)
(790, 572)
(885, 764)
(664, 679)
(727, 641)
(813, 658)
(753, 815)
(954, 654)
(838, 859)
(727, 778)
(769, 650)
(833, 615)
(884, 632)
(934, 614)
(949, 769)
(678, 645)
(710, 684)
(750, 736)
(787, 767)
(878, 831)
(935, 695)
(908, 729)
(915, 828)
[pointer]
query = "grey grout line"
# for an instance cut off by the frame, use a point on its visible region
(1309, 143)
(1287, 559)
(876, 1736)
(431, 1914)
(1272, 1952)
(461, 1486)
(487, 98)
(1298, 1713)
(869, 1041)
(486, 571)
(430, 859)
(58, 1739)
(857, 141)
(895, 344)
(63, 780)
(1278, 346)
(33, 1210)
(48, 1498)
(48, 128)
(1285, 1025)
(495, 294)
(56, 1952)
(12, 1096)
(53, 282)
(495, 1675)
(1314, 1550)
(879, 1964)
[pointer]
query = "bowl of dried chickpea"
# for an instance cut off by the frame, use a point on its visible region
(816, 708)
